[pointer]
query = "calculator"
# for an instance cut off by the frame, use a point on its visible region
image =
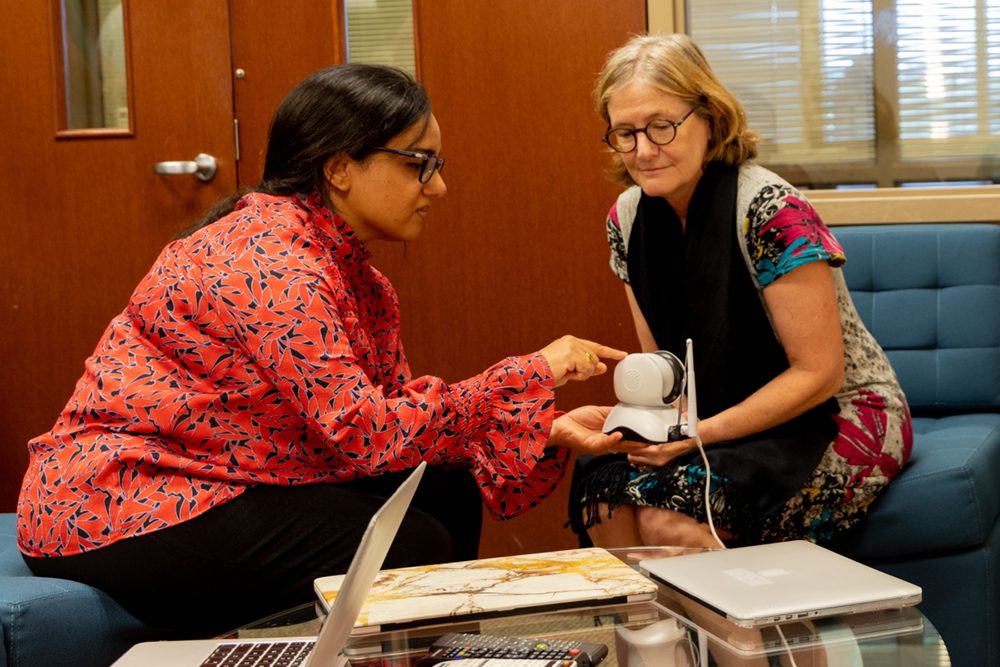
(456, 646)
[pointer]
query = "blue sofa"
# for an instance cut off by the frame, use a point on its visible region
(57, 622)
(930, 294)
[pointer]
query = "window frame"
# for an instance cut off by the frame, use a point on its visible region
(879, 205)
(63, 131)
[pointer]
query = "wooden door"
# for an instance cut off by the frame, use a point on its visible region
(82, 214)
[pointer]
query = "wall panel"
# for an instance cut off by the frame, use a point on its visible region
(515, 255)
(83, 213)
(276, 45)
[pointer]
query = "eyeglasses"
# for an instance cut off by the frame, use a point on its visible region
(660, 132)
(428, 163)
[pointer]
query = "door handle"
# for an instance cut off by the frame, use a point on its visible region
(203, 166)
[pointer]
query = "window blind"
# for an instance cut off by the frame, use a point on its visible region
(946, 107)
(803, 69)
(849, 83)
(993, 66)
(381, 32)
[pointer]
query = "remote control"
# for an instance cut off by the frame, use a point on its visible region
(461, 646)
(505, 662)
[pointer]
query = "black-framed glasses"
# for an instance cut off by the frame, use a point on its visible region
(659, 131)
(428, 163)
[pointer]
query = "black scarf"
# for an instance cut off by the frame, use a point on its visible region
(694, 283)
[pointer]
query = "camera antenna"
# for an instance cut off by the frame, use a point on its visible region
(692, 394)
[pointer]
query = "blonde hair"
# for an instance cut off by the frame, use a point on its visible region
(675, 65)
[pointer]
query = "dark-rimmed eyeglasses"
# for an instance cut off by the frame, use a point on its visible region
(428, 163)
(659, 131)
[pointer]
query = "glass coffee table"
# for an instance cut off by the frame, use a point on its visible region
(668, 632)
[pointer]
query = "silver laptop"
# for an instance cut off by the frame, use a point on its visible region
(321, 651)
(780, 582)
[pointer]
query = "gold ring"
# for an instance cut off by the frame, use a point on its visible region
(590, 358)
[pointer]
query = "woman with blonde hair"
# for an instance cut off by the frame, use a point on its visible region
(803, 422)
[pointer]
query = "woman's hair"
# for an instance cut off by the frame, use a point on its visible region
(675, 65)
(345, 109)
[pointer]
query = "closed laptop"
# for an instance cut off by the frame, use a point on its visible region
(784, 581)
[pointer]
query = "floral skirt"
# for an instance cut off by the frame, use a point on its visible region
(823, 507)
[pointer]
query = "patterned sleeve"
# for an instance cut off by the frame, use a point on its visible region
(497, 422)
(784, 231)
(616, 239)
(505, 496)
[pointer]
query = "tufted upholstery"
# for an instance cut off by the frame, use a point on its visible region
(930, 294)
(56, 622)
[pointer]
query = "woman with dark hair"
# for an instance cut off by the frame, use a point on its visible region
(243, 418)
(803, 422)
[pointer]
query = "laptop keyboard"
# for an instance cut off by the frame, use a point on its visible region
(260, 654)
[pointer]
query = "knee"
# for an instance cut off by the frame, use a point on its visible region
(651, 522)
(421, 540)
(663, 527)
(452, 497)
(455, 491)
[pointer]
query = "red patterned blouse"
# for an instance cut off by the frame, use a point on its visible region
(264, 349)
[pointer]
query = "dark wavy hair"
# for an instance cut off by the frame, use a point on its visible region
(345, 109)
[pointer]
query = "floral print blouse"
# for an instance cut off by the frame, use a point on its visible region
(264, 349)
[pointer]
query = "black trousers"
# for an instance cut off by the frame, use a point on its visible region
(259, 553)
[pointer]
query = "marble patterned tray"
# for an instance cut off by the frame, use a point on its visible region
(493, 587)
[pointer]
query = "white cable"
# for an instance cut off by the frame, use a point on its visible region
(711, 526)
(691, 405)
(788, 649)
(695, 658)
(690, 397)
(708, 484)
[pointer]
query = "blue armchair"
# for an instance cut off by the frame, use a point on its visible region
(930, 294)
(57, 622)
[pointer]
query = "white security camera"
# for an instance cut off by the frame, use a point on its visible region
(647, 385)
